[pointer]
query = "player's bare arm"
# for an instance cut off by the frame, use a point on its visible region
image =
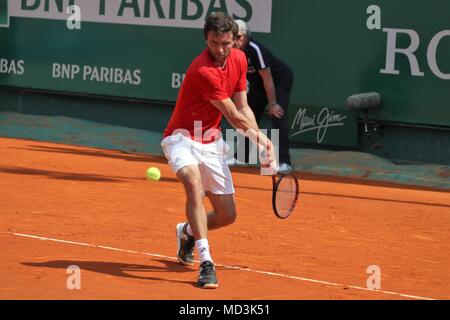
(234, 117)
(245, 123)
(241, 103)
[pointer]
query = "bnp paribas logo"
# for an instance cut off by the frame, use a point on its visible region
(4, 16)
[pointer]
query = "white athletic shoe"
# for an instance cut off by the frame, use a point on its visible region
(284, 168)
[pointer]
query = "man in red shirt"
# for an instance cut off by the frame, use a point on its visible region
(214, 86)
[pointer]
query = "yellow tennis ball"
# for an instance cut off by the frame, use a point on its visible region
(153, 174)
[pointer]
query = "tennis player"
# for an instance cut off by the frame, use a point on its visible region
(214, 86)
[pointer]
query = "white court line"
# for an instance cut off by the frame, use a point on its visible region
(224, 266)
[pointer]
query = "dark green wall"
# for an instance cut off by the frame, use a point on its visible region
(137, 114)
(332, 52)
(327, 43)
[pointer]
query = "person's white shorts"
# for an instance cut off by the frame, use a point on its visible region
(182, 151)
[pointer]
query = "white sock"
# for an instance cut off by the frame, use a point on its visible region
(203, 250)
(189, 230)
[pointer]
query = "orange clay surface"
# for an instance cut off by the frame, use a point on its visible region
(98, 201)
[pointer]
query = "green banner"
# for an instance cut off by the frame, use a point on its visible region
(137, 49)
(142, 48)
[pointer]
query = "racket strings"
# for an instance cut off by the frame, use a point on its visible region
(286, 195)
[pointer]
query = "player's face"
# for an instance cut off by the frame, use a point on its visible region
(219, 45)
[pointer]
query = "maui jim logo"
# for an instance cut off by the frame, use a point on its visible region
(320, 122)
(4, 16)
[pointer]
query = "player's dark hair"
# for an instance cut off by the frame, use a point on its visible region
(220, 22)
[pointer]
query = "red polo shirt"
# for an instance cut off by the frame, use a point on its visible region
(204, 82)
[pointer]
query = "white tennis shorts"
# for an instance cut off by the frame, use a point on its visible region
(182, 151)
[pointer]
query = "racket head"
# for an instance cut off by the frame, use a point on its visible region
(285, 195)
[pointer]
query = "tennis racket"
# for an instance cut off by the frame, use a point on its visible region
(284, 195)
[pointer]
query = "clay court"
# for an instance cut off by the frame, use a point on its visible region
(65, 205)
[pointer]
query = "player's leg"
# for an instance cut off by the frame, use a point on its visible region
(183, 157)
(191, 179)
(179, 153)
(224, 210)
(218, 185)
(197, 221)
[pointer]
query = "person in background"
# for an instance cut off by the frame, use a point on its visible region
(270, 83)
